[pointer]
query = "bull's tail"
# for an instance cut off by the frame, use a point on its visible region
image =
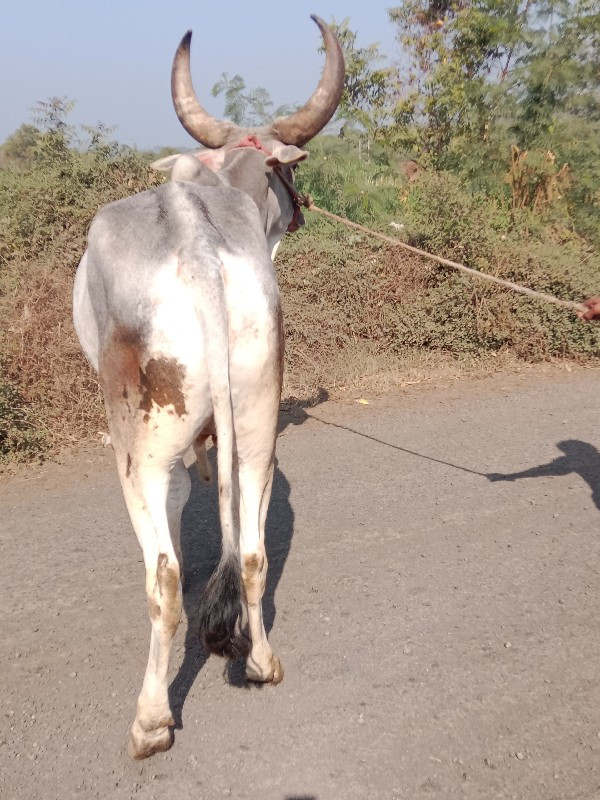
(220, 611)
(221, 604)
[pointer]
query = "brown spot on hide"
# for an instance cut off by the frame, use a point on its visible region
(128, 470)
(167, 576)
(251, 563)
(161, 383)
(254, 582)
(161, 565)
(120, 365)
(167, 580)
(146, 418)
(153, 609)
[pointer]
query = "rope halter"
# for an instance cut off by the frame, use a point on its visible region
(299, 201)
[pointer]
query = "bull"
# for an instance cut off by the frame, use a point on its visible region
(177, 307)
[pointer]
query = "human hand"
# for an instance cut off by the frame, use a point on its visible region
(498, 476)
(593, 309)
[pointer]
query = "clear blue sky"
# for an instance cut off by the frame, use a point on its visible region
(114, 56)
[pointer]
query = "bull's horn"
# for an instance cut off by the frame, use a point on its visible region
(203, 127)
(299, 127)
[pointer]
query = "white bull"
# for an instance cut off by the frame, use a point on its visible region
(177, 307)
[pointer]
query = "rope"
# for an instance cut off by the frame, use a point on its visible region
(307, 202)
(515, 287)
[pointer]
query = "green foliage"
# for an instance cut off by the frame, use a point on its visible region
(460, 54)
(443, 218)
(340, 179)
(464, 315)
(579, 147)
(340, 288)
(478, 78)
(20, 147)
(365, 95)
(54, 192)
(560, 74)
(252, 107)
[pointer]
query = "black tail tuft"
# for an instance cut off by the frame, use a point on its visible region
(221, 611)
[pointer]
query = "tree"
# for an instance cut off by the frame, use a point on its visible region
(460, 55)
(246, 108)
(560, 74)
(19, 148)
(51, 115)
(365, 99)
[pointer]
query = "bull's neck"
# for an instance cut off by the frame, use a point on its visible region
(247, 172)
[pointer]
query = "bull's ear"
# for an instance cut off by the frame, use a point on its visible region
(165, 164)
(286, 154)
(188, 167)
(213, 159)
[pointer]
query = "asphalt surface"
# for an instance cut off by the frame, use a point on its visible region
(433, 593)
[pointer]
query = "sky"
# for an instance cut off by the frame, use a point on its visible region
(113, 57)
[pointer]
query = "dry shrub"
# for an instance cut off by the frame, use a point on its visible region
(357, 312)
(535, 180)
(351, 303)
(46, 207)
(43, 358)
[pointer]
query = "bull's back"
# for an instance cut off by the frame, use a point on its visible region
(154, 258)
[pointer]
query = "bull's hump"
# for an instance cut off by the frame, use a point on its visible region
(181, 198)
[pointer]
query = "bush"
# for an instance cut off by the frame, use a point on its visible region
(352, 305)
(21, 435)
(46, 206)
(341, 180)
(340, 288)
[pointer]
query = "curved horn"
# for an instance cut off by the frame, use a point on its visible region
(299, 127)
(203, 127)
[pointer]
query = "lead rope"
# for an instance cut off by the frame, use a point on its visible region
(307, 202)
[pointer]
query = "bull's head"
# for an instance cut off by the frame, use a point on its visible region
(296, 129)
(280, 142)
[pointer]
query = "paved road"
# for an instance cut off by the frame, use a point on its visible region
(434, 596)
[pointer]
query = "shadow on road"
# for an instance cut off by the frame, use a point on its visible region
(580, 458)
(201, 550)
(395, 446)
(301, 797)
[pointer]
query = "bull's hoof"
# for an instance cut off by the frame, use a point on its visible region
(143, 744)
(274, 674)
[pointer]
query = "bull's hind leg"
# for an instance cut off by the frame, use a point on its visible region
(155, 497)
(262, 665)
(151, 427)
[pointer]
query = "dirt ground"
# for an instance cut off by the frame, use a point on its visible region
(434, 595)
